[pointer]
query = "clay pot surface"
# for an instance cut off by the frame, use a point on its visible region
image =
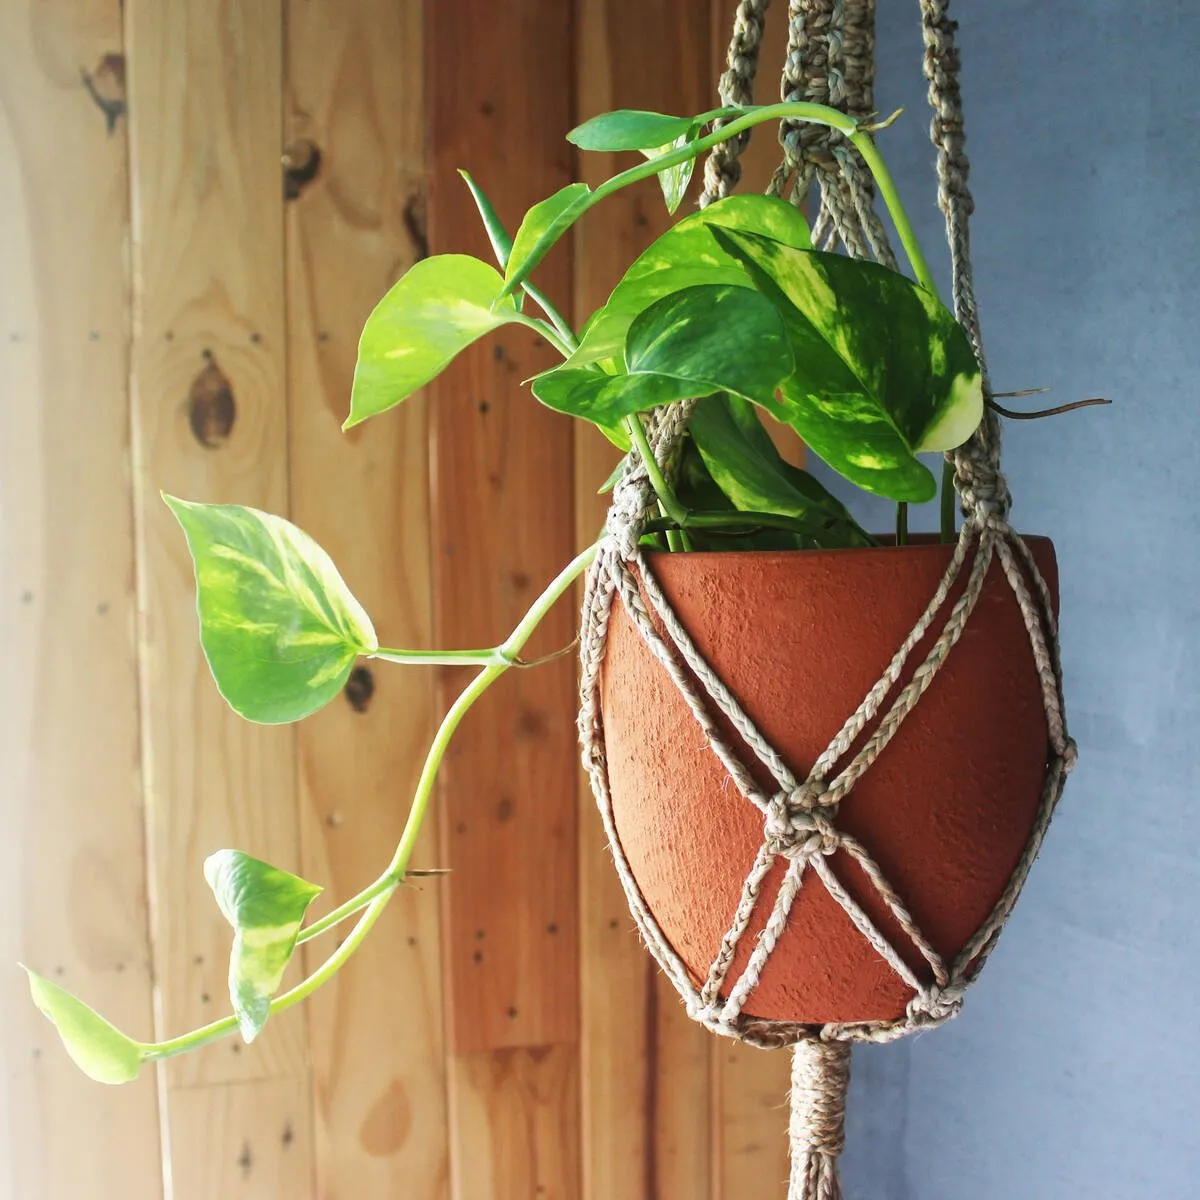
(800, 638)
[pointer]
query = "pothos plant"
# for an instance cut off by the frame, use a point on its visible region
(731, 307)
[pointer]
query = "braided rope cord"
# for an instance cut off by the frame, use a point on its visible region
(830, 51)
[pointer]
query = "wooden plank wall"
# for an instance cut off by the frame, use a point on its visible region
(72, 872)
(202, 199)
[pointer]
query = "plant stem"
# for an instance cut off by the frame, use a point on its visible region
(901, 523)
(748, 520)
(662, 489)
(548, 331)
(376, 896)
(816, 114)
(564, 331)
(441, 658)
(865, 145)
(948, 517)
(385, 883)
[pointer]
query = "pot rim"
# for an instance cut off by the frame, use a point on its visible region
(928, 544)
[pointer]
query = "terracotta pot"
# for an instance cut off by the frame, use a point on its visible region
(800, 638)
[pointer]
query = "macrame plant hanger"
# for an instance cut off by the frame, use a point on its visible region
(829, 60)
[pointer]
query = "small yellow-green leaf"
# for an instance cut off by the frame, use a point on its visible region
(100, 1050)
(540, 228)
(493, 226)
(266, 907)
(279, 627)
(437, 309)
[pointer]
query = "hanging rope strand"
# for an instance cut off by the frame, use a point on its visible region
(977, 475)
(816, 1130)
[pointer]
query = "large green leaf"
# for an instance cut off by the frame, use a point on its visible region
(700, 340)
(438, 308)
(540, 228)
(279, 627)
(746, 466)
(685, 256)
(266, 907)
(883, 371)
(628, 129)
(99, 1049)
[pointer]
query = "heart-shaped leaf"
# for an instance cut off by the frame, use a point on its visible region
(685, 256)
(437, 309)
(100, 1050)
(540, 228)
(279, 627)
(700, 340)
(744, 463)
(721, 337)
(629, 129)
(266, 907)
(883, 370)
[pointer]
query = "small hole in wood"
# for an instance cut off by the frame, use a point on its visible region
(359, 689)
(301, 165)
(211, 406)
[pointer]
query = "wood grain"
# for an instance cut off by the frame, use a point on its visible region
(72, 881)
(646, 1109)
(355, 103)
(503, 528)
(515, 1122)
(208, 371)
(751, 1098)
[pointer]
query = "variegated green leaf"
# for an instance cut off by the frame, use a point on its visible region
(744, 463)
(279, 627)
(688, 344)
(883, 371)
(100, 1050)
(266, 907)
(437, 309)
(685, 256)
(540, 228)
(674, 180)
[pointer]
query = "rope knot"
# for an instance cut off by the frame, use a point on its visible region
(799, 821)
(624, 527)
(937, 1004)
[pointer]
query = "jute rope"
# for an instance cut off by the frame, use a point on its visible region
(829, 58)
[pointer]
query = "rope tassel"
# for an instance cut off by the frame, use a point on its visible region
(820, 1076)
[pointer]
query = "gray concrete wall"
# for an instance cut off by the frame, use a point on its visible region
(1074, 1070)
